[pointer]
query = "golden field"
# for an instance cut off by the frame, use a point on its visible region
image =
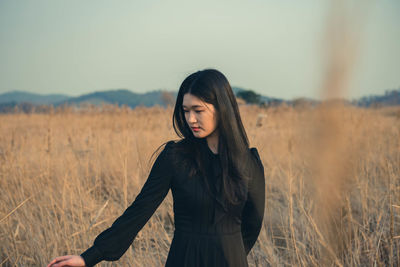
(332, 183)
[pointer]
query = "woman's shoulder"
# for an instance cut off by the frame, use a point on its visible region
(163, 150)
(173, 146)
(256, 156)
(174, 143)
(254, 152)
(177, 143)
(170, 143)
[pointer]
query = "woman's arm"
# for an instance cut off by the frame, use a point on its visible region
(112, 243)
(253, 211)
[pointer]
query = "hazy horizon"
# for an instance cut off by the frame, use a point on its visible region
(113, 89)
(274, 48)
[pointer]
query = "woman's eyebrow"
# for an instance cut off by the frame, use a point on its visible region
(194, 106)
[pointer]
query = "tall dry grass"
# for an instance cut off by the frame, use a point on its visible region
(332, 184)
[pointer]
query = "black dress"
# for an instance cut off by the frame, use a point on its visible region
(205, 235)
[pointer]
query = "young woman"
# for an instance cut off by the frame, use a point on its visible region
(217, 184)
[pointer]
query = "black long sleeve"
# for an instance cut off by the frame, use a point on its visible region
(112, 243)
(253, 211)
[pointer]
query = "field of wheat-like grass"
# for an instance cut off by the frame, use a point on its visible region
(332, 184)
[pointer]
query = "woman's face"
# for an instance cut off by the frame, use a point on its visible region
(200, 116)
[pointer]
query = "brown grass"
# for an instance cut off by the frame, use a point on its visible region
(332, 183)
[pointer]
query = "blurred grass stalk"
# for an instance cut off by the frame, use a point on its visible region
(334, 155)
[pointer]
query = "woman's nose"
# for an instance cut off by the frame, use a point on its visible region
(192, 117)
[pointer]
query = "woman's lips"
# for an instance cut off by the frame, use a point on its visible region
(195, 129)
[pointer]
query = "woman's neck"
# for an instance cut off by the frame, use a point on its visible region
(212, 142)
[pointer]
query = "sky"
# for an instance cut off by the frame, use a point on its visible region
(276, 48)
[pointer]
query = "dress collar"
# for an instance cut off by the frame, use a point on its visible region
(207, 148)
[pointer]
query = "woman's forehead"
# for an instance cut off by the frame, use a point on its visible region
(190, 100)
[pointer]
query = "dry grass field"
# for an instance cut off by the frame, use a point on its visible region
(332, 184)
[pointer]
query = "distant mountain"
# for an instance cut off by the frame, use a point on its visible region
(390, 98)
(263, 99)
(38, 99)
(236, 89)
(27, 101)
(121, 97)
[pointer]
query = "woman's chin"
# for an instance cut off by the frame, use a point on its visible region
(198, 135)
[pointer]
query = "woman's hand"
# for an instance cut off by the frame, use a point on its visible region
(67, 261)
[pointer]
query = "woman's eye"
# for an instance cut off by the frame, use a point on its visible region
(197, 111)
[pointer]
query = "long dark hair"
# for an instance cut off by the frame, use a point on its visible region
(212, 87)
